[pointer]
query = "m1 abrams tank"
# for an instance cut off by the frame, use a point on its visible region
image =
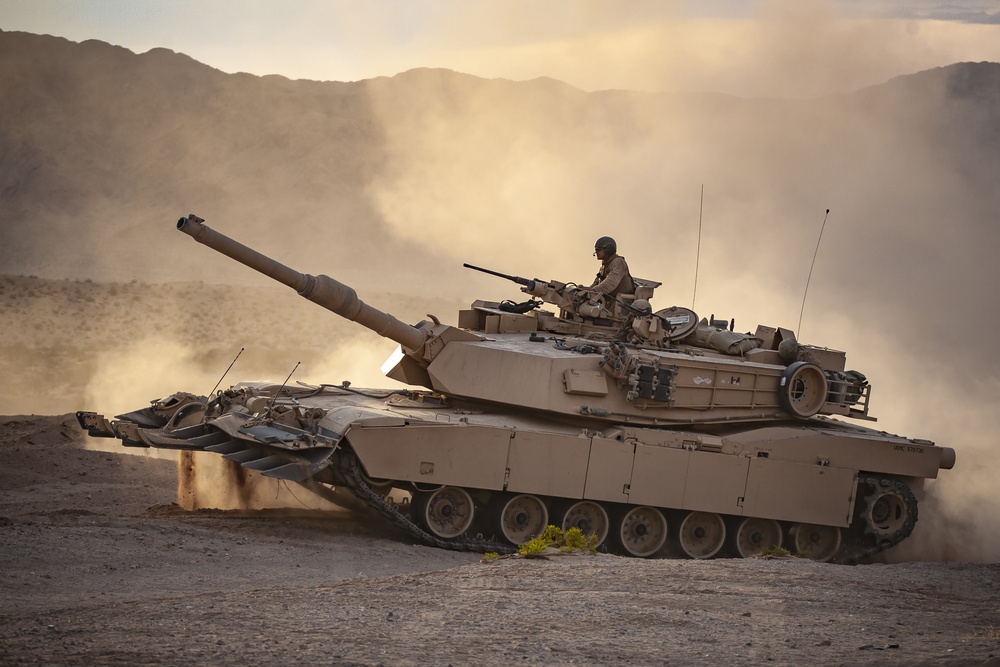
(656, 432)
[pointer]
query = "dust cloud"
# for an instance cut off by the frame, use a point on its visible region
(148, 369)
(208, 481)
(358, 364)
(130, 377)
(523, 180)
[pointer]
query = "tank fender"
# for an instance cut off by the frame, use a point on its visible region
(341, 420)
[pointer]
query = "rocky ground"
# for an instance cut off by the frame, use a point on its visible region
(100, 567)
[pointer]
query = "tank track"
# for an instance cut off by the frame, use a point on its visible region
(866, 539)
(349, 475)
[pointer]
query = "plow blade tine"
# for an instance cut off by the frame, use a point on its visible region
(156, 438)
(213, 439)
(294, 472)
(266, 463)
(227, 447)
(246, 455)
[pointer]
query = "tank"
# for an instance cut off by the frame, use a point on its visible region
(657, 432)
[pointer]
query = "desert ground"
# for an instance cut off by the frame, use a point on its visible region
(102, 567)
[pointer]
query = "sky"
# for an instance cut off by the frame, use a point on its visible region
(592, 44)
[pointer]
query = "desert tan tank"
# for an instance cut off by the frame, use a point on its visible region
(658, 432)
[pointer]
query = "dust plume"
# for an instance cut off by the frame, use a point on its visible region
(148, 369)
(358, 361)
(904, 277)
(129, 377)
(208, 481)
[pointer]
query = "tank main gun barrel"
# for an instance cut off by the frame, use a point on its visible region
(322, 290)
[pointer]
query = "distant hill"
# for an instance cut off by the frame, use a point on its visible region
(100, 148)
(98, 143)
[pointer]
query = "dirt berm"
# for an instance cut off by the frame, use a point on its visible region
(99, 567)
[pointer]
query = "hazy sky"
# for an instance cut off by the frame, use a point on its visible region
(724, 46)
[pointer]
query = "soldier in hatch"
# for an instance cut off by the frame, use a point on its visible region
(614, 277)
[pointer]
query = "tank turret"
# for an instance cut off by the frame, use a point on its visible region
(605, 359)
(653, 431)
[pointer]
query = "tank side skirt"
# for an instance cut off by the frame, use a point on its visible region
(349, 476)
(628, 472)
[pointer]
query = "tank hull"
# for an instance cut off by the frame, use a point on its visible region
(775, 480)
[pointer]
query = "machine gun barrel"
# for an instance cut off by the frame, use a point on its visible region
(517, 279)
(322, 290)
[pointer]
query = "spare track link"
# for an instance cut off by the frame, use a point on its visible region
(350, 475)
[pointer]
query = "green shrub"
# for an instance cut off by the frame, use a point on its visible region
(572, 540)
(577, 540)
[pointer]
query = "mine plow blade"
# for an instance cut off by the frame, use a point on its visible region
(96, 426)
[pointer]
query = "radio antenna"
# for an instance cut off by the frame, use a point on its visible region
(799, 329)
(697, 256)
(273, 398)
(226, 373)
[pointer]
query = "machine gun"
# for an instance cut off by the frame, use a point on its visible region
(572, 299)
(516, 279)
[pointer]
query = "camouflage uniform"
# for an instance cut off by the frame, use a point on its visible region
(614, 277)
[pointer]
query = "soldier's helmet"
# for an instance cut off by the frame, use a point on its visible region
(606, 243)
(642, 307)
